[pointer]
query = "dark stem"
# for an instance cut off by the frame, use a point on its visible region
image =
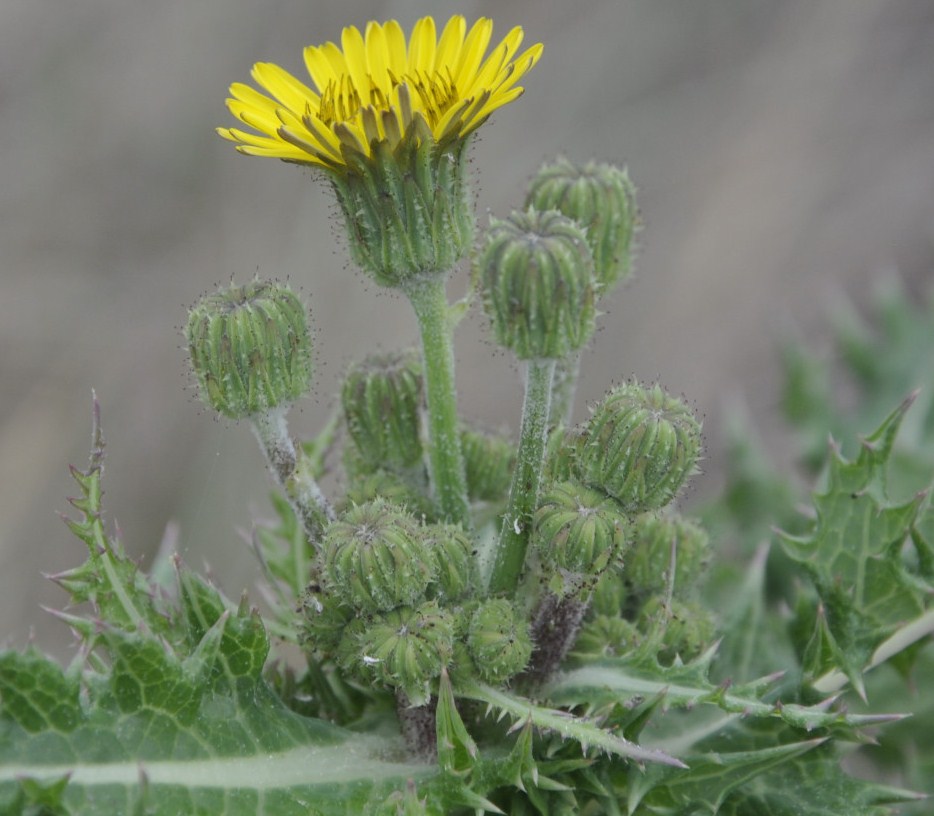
(554, 630)
(418, 727)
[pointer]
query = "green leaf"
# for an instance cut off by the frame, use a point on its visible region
(165, 709)
(854, 557)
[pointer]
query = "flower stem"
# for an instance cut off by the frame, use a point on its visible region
(446, 460)
(303, 491)
(564, 388)
(523, 495)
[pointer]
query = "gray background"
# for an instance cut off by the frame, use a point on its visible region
(784, 151)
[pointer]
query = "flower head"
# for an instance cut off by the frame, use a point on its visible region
(377, 88)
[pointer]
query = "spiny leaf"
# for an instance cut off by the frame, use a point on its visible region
(854, 557)
(583, 731)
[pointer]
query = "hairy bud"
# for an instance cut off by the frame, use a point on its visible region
(452, 551)
(382, 399)
(375, 558)
(498, 640)
(407, 648)
(639, 446)
(250, 348)
(655, 541)
(607, 636)
(538, 284)
(687, 628)
(599, 197)
(489, 461)
(578, 531)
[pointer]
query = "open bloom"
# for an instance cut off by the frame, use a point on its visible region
(379, 89)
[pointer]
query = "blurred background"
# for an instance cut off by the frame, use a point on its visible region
(783, 150)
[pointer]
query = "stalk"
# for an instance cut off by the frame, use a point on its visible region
(305, 496)
(564, 388)
(523, 494)
(446, 461)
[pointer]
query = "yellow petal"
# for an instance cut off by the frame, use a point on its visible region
(396, 47)
(497, 59)
(450, 44)
(422, 45)
(252, 97)
(319, 67)
(284, 87)
(355, 55)
(377, 57)
(472, 53)
(323, 134)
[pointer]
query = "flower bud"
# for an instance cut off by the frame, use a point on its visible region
(639, 446)
(687, 628)
(537, 278)
(382, 399)
(453, 553)
(648, 563)
(498, 640)
(407, 210)
(578, 530)
(406, 648)
(602, 200)
(250, 348)
(368, 486)
(611, 596)
(607, 636)
(324, 620)
(489, 461)
(375, 558)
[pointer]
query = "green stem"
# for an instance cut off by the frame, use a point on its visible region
(446, 460)
(303, 491)
(564, 388)
(523, 495)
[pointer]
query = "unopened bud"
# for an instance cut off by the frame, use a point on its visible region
(453, 554)
(250, 348)
(657, 543)
(639, 446)
(489, 461)
(602, 199)
(578, 530)
(538, 282)
(375, 558)
(498, 640)
(688, 628)
(407, 648)
(382, 399)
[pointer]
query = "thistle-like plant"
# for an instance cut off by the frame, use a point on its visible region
(474, 623)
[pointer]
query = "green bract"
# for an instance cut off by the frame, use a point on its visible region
(407, 211)
(375, 558)
(498, 640)
(578, 530)
(250, 348)
(537, 277)
(382, 397)
(639, 447)
(599, 197)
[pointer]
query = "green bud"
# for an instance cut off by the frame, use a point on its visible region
(610, 596)
(687, 628)
(639, 446)
(498, 640)
(407, 648)
(489, 461)
(453, 553)
(404, 223)
(375, 558)
(324, 618)
(578, 530)
(607, 636)
(537, 277)
(368, 486)
(560, 454)
(250, 348)
(602, 199)
(647, 567)
(382, 399)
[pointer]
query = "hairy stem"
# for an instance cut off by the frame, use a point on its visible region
(523, 494)
(446, 459)
(303, 491)
(564, 388)
(418, 727)
(554, 630)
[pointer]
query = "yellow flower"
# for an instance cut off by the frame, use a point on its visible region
(377, 88)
